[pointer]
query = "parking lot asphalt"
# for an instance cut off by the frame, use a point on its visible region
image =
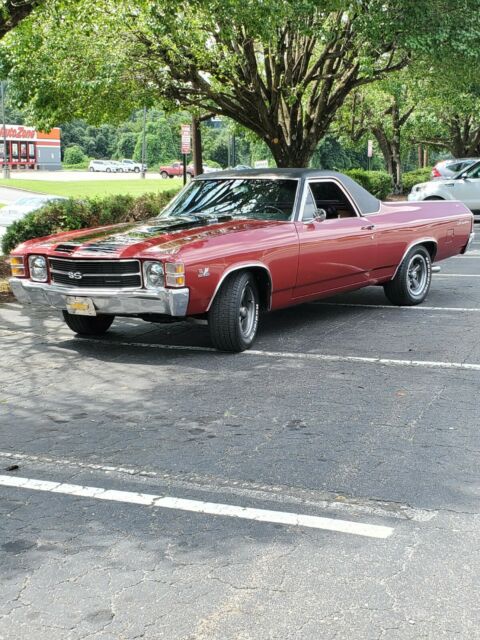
(323, 485)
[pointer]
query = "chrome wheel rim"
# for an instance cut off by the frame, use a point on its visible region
(417, 275)
(247, 312)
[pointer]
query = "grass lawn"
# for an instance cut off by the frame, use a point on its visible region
(87, 188)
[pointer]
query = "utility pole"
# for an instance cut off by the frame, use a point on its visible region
(6, 168)
(144, 142)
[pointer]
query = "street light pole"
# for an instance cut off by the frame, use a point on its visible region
(144, 141)
(6, 168)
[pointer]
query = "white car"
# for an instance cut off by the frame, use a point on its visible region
(19, 208)
(465, 187)
(130, 165)
(102, 165)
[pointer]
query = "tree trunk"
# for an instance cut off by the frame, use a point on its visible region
(197, 146)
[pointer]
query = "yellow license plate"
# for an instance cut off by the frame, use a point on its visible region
(80, 306)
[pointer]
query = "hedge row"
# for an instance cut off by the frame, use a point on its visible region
(68, 215)
(378, 183)
(414, 177)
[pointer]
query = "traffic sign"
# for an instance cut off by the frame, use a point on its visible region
(186, 137)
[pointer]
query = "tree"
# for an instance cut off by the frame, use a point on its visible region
(450, 119)
(74, 155)
(14, 11)
(383, 110)
(280, 68)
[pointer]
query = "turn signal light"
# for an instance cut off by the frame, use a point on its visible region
(17, 266)
(175, 274)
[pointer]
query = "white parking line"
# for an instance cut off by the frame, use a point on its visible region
(470, 254)
(395, 308)
(320, 357)
(198, 506)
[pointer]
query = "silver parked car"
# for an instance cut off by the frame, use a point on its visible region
(103, 165)
(130, 165)
(19, 208)
(465, 187)
(450, 168)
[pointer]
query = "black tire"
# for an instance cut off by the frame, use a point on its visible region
(233, 316)
(411, 284)
(433, 198)
(108, 170)
(88, 325)
(91, 169)
(137, 169)
(164, 174)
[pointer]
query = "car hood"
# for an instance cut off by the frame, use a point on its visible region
(152, 239)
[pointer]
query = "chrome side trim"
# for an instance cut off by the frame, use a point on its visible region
(410, 246)
(116, 301)
(241, 267)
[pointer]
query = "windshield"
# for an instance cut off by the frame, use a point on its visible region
(28, 201)
(266, 199)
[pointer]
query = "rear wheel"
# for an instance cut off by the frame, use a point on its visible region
(411, 284)
(233, 316)
(137, 170)
(88, 325)
(164, 174)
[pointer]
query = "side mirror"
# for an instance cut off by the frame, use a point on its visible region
(320, 215)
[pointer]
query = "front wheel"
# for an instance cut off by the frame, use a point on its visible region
(88, 325)
(233, 316)
(411, 284)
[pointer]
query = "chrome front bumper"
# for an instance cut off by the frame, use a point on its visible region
(172, 302)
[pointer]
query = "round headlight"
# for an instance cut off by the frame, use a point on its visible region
(153, 275)
(38, 268)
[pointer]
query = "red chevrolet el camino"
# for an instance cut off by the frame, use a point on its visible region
(235, 243)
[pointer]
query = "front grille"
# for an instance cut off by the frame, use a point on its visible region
(96, 273)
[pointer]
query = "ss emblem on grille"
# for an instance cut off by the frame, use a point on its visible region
(75, 275)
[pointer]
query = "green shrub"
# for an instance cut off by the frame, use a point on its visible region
(68, 215)
(74, 155)
(378, 183)
(414, 177)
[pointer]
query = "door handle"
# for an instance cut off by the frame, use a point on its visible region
(368, 227)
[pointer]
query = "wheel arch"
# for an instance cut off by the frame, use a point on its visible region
(430, 244)
(263, 279)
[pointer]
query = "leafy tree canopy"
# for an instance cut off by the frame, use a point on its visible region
(280, 68)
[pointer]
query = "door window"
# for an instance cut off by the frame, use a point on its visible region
(330, 197)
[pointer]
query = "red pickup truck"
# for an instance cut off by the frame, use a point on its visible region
(175, 169)
(234, 244)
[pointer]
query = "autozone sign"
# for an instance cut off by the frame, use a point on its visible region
(18, 132)
(186, 134)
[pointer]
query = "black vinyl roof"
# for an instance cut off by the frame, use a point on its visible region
(363, 199)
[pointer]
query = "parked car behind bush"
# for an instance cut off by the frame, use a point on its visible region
(68, 215)
(414, 177)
